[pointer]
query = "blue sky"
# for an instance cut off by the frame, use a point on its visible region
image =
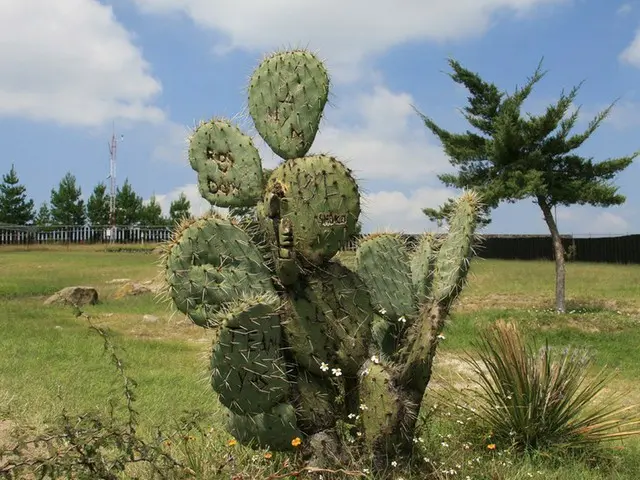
(71, 68)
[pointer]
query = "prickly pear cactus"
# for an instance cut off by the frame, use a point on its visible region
(302, 341)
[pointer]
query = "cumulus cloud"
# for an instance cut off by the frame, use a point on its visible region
(199, 206)
(631, 54)
(386, 140)
(581, 220)
(72, 62)
(399, 211)
(346, 33)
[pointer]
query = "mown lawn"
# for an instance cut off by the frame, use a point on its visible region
(49, 358)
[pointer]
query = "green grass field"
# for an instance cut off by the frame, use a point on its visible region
(50, 359)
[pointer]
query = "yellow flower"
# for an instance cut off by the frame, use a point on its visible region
(296, 441)
(268, 455)
(231, 442)
(491, 446)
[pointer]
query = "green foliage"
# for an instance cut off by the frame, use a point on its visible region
(179, 209)
(98, 206)
(151, 213)
(543, 399)
(513, 156)
(43, 216)
(128, 205)
(67, 205)
(15, 208)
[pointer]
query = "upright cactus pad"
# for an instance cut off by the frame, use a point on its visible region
(228, 165)
(302, 342)
(383, 262)
(287, 94)
(318, 199)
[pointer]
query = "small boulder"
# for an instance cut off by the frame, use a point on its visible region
(131, 289)
(77, 296)
(150, 319)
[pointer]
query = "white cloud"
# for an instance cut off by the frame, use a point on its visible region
(591, 220)
(398, 211)
(199, 206)
(386, 142)
(624, 9)
(71, 62)
(346, 33)
(172, 143)
(631, 54)
(623, 116)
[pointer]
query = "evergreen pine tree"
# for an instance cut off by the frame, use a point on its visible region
(67, 205)
(180, 208)
(15, 208)
(512, 156)
(98, 206)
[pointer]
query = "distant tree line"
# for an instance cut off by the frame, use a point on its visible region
(67, 207)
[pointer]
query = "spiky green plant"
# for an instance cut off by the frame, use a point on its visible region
(294, 354)
(540, 399)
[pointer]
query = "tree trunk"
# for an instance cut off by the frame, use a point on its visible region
(558, 253)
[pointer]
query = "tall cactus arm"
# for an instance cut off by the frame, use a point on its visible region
(450, 270)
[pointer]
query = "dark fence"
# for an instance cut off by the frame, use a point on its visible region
(610, 249)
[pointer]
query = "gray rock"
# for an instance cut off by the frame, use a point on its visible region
(77, 296)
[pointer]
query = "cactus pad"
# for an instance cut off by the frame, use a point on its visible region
(273, 429)
(318, 200)
(383, 263)
(248, 371)
(212, 262)
(330, 320)
(228, 165)
(287, 94)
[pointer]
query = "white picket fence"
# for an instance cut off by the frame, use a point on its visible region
(82, 234)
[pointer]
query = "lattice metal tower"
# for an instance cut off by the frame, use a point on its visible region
(113, 148)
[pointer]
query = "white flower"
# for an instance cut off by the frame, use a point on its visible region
(444, 444)
(394, 464)
(441, 337)
(383, 311)
(402, 320)
(365, 470)
(352, 415)
(365, 372)
(375, 359)
(336, 371)
(363, 407)
(324, 367)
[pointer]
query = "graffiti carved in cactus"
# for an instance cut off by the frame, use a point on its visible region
(302, 341)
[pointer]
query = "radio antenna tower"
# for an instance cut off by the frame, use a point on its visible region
(113, 148)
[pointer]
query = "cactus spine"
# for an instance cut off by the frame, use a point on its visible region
(303, 341)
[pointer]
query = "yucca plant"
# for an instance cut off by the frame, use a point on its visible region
(537, 399)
